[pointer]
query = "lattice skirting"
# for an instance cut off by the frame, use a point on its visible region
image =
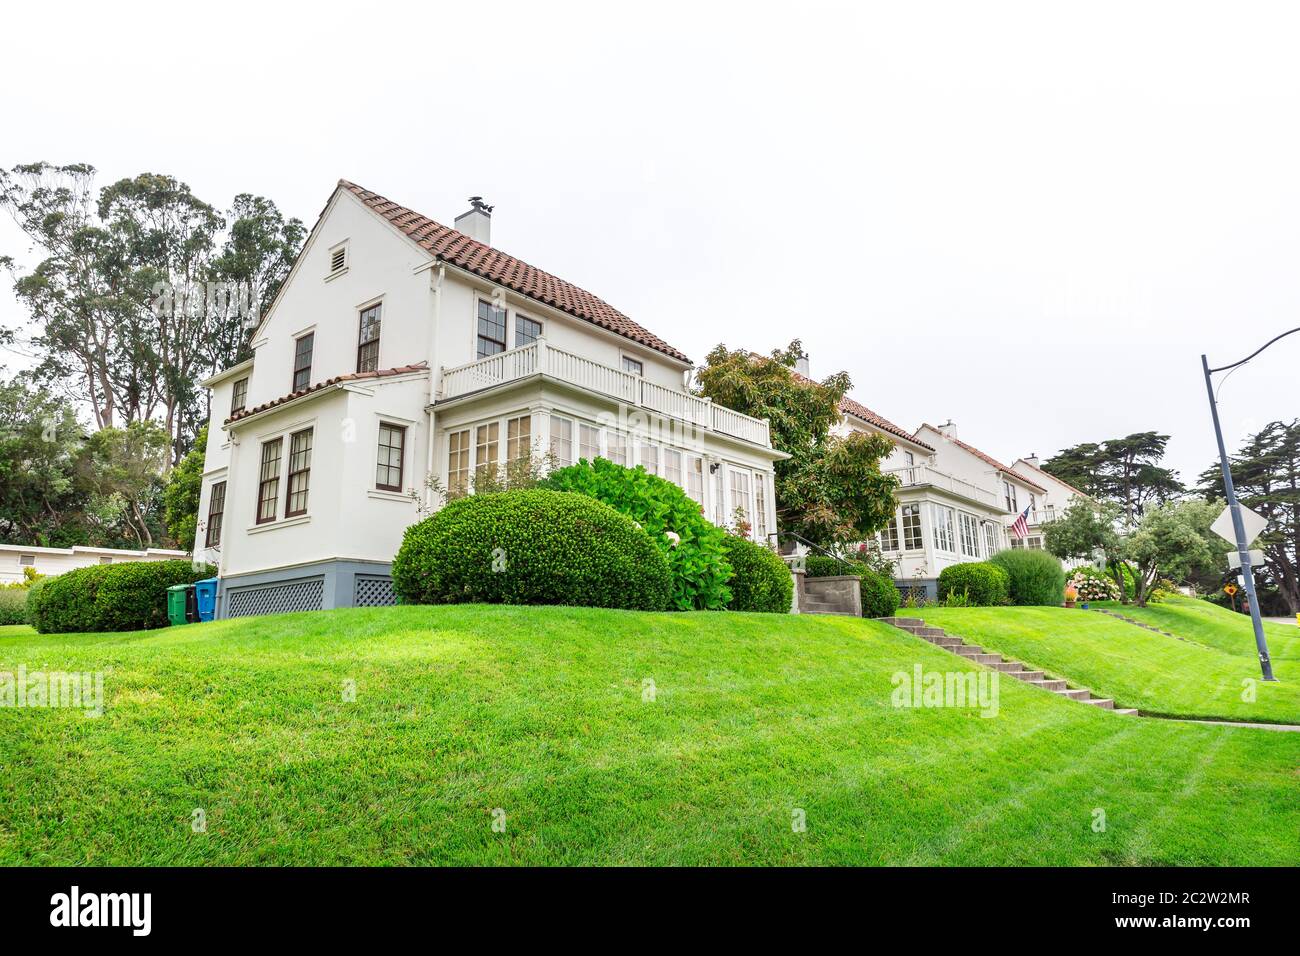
(373, 591)
(303, 595)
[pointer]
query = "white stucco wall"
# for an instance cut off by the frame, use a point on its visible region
(52, 561)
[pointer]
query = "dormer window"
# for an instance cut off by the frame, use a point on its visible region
(338, 261)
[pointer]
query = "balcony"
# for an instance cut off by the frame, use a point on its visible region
(540, 358)
(926, 475)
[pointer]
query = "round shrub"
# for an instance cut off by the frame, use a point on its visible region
(697, 558)
(983, 583)
(880, 598)
(531, 546)
(1036, 577)
(761, 580)
(131, 596)
(1093, 585)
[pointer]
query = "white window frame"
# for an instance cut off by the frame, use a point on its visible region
(912, 510)
(944, 520)
(571, 425)
(968, 528)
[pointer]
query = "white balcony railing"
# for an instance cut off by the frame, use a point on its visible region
(926, 475)
(539, 357)
(1044, 515)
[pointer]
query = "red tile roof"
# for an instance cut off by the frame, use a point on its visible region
(493, 264)
(849, 407)
(336, 380)
(987, 459)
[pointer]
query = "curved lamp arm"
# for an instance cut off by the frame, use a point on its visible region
(1224, 368)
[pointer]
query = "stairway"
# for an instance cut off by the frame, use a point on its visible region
(977, 655)
(1146, 627)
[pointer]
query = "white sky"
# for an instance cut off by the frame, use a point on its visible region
(1030, 218)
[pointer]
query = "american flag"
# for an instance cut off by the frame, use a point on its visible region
(1020, 527)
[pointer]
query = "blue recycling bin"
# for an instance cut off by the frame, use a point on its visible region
(205, 595)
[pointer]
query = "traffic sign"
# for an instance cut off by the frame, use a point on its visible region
(1254, 524)
(1234, 559)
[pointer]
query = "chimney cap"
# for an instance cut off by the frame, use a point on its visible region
(479, 205)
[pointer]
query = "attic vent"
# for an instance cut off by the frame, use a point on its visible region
(338, 260)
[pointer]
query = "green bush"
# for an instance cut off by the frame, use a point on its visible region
(697, 560)
(531, 546)
(880, 598)
(13, 604)
(131, 596)
(1037, 577)
(983, 583)
(761, 580)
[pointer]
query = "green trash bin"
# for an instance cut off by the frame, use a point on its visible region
(176, 601)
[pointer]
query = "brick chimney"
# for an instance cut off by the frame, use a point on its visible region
(477, 223)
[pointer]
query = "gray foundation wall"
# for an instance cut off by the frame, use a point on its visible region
(319, 586)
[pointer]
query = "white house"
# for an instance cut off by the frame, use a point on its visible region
(15, 559)
(401, 357)
(1049, 506)
(955, 503)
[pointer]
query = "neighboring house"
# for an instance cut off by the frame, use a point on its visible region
(400, 358)
(15, 559)
(1050, 506)
(955, 503)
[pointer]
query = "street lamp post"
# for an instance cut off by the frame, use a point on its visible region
(1234, 506)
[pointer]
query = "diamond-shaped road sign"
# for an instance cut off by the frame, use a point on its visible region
(1254, 524)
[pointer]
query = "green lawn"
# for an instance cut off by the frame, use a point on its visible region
(541, 712)
(1136, 667)
(1215, 627)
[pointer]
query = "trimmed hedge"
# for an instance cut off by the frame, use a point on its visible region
(985, 584)
(761, 581)
(879, 596)
(532, 546)
(13, 604)
(697, 560)
(131, 596)
(1037, 577)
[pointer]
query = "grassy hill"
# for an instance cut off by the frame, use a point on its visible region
(1215, 627)
(542, 714)
(1137, 667)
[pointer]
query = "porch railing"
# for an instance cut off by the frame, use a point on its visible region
(540, 357)
(926, 475)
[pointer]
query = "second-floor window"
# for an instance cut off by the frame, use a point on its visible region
(268, 481)
(302, 350)
(491, 329)
(1010, 491)
(527, 331)
(216, 514)
(239, 396)
(299, 473)
(368, 340)
(392, 442)
(633, 365)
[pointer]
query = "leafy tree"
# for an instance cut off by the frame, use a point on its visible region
(40, 442)
(1085, 529)
(1173, 540)
(121, 470)
(831, 490)
(181, 495)
(1125, 470)
(1266, 475)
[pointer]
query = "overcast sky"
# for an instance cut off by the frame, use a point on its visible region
(1029, 218)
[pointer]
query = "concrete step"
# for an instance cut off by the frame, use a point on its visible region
(1128, 711)
(904, 621)
(1049, 684)
(1027, 676)
(968, 650)
(1009, 667)
(928, 632)
(1104, 703)
(1073, 694)
(989, 659)
(819, 607)
(946, 641)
